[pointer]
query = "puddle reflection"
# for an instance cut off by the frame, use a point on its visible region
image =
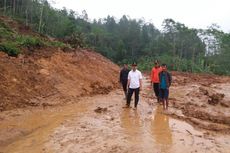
(160, 130)
(130, 121)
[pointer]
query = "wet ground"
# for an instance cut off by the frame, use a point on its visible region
(99, 124)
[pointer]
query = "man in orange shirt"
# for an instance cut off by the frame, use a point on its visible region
(155, 79)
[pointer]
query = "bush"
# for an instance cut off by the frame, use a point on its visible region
(10, 48)
(5, 31)
(4, 26)
(29, 41)
(173, 63)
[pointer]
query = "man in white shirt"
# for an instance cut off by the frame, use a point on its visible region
(134, 85)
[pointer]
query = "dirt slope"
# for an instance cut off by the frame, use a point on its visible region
(25, 81)
(42, 71)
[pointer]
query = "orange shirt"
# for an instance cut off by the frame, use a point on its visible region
(155, 74)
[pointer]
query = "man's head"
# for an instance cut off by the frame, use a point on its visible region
(156, 63)
(125, 66)
(134, 66)
(164, 67)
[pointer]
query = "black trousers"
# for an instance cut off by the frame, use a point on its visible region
(130, 93)
(124, 85)
(156, 89)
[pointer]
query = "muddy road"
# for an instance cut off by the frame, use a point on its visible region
(100, 124)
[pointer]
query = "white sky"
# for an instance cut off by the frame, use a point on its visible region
(192, 13)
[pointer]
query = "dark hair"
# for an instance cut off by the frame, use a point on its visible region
(164, 65)
(156, 62)
(134, 64)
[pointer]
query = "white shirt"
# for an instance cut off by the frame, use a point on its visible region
(134, 77)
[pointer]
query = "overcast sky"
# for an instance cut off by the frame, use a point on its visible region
(193, 13)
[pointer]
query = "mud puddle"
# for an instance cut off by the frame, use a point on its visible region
(99, 124)
(25, 131)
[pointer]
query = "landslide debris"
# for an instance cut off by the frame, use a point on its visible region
(34, 67)
(202, 99)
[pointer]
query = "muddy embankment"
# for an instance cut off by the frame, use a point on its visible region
(203, 100)
(30, 80)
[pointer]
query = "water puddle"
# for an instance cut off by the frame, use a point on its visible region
(31, 131)
(77, 128)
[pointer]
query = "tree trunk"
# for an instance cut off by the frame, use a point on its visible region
(26, 17)
(4, 6)
(193, 58)
(31, 6)
(14, 6)
(40, 21)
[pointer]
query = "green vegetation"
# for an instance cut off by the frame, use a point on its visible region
(10, 48)
(5, 31)
(11, 42)
(175, 64)
(29, 41)
(57, 44)
(125, 40)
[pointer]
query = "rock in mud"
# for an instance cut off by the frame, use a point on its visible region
(215, 98)
(100, 110)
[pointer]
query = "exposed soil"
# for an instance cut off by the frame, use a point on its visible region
(100, 124)
(202, 100)
(41, 73)
(29, 80)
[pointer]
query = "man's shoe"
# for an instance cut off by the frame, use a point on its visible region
(126, 106)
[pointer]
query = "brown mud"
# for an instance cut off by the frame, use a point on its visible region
(100, 124)
(203, 100)
(35, 80)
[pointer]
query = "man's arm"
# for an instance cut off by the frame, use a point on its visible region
(151, 76)
(120, 76)
(159, 75)
(140, 80)
(170, 79)
(128, 83)
(140, 84)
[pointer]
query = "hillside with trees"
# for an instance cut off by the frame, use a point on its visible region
(60, 94)
(125, 40)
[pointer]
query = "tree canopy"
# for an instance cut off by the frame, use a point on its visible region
(125, 40)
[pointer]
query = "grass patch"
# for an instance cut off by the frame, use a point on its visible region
(29, 41)
(57, 44)
(11, 41)
(10, 48)
(5, 31)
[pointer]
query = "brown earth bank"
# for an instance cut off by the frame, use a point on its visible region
(30, 80)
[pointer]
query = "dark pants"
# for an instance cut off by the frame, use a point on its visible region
(130, 93)
(124, 85)
(164, 94)
(156, 89)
